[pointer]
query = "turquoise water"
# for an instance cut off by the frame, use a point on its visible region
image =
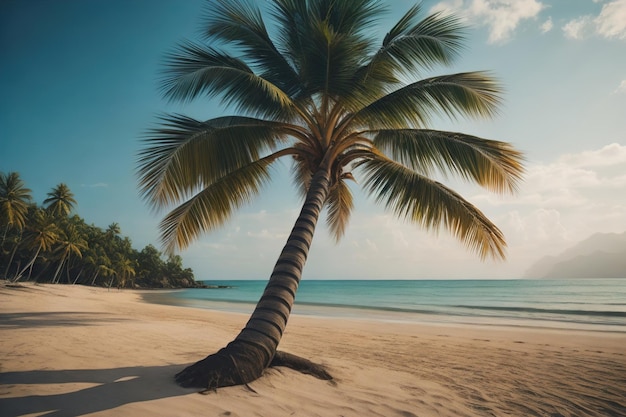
(582, 303)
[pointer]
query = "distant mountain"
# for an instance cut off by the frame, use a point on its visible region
(602, 255)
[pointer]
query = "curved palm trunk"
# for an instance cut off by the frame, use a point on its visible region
(6, 271)
(30, 264)
(67, 268)
(4, 235)
(77, 276)
(244, 359)
(56, 274)
(93, 281)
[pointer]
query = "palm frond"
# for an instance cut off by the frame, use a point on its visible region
(212, 206)
(492, 164)
(473, 94)
(340, 207)
(290, 16)
(240, 23)
(350, 17)
(412, 45)
(184, 154)
(404, 25)
(328, 61)
(326, 40)
(60, 201)
(43, 231)
(353, 17)
(14, 200)
(432, 205)
(321, 79)
(301, 176)
(193, 70)
(306, 159)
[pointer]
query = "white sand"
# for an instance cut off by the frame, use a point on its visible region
(74, 351)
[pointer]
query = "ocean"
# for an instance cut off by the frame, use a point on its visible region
(587, 304)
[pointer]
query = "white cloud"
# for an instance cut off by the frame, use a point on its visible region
(608, 155)
(96, 185)
(563, 202)
(371, 245)
(578, 28)
(611, 23)
(621, 89)
(447, 6)
(547, 26)
(265, 234)
(502, 17)
(572, 180)
(220, 247)
(579, 181)
(543, 225)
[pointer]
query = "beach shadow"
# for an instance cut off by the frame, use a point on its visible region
(116, 387)
(53, 319)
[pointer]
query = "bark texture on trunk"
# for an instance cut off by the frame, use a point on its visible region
(245, 358)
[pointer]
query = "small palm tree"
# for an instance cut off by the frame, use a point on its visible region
(103, 270)
(60, 201)
(124, 270)
(96, 259)
(15, 199)
(70, 242)
(321, 91)
(41, 235)
(113, 230)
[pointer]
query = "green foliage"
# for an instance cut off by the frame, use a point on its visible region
(60, 201)
(324, 93)
(14, 200)
(47, 245)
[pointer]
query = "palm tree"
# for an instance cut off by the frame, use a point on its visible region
(14, 202)
(41, 234)
(60, 201)
(321, 91)
(96, 259)
(104, 270)
(113, 230)
(70, 242)
(124, 269)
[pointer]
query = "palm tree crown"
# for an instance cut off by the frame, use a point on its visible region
(70, 242)
(60, 201)
(14, 200)
(327, 96)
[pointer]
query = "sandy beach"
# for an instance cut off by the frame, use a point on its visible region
(74, 351)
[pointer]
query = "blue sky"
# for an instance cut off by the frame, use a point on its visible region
(79, 86)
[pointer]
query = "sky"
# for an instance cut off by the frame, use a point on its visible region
(79, 87)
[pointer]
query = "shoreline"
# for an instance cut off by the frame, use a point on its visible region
(386, 315)
(70, 351)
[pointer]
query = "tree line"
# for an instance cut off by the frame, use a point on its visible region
(48, 243)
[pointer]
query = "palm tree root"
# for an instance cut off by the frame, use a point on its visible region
(240, 364)
(300, 364)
